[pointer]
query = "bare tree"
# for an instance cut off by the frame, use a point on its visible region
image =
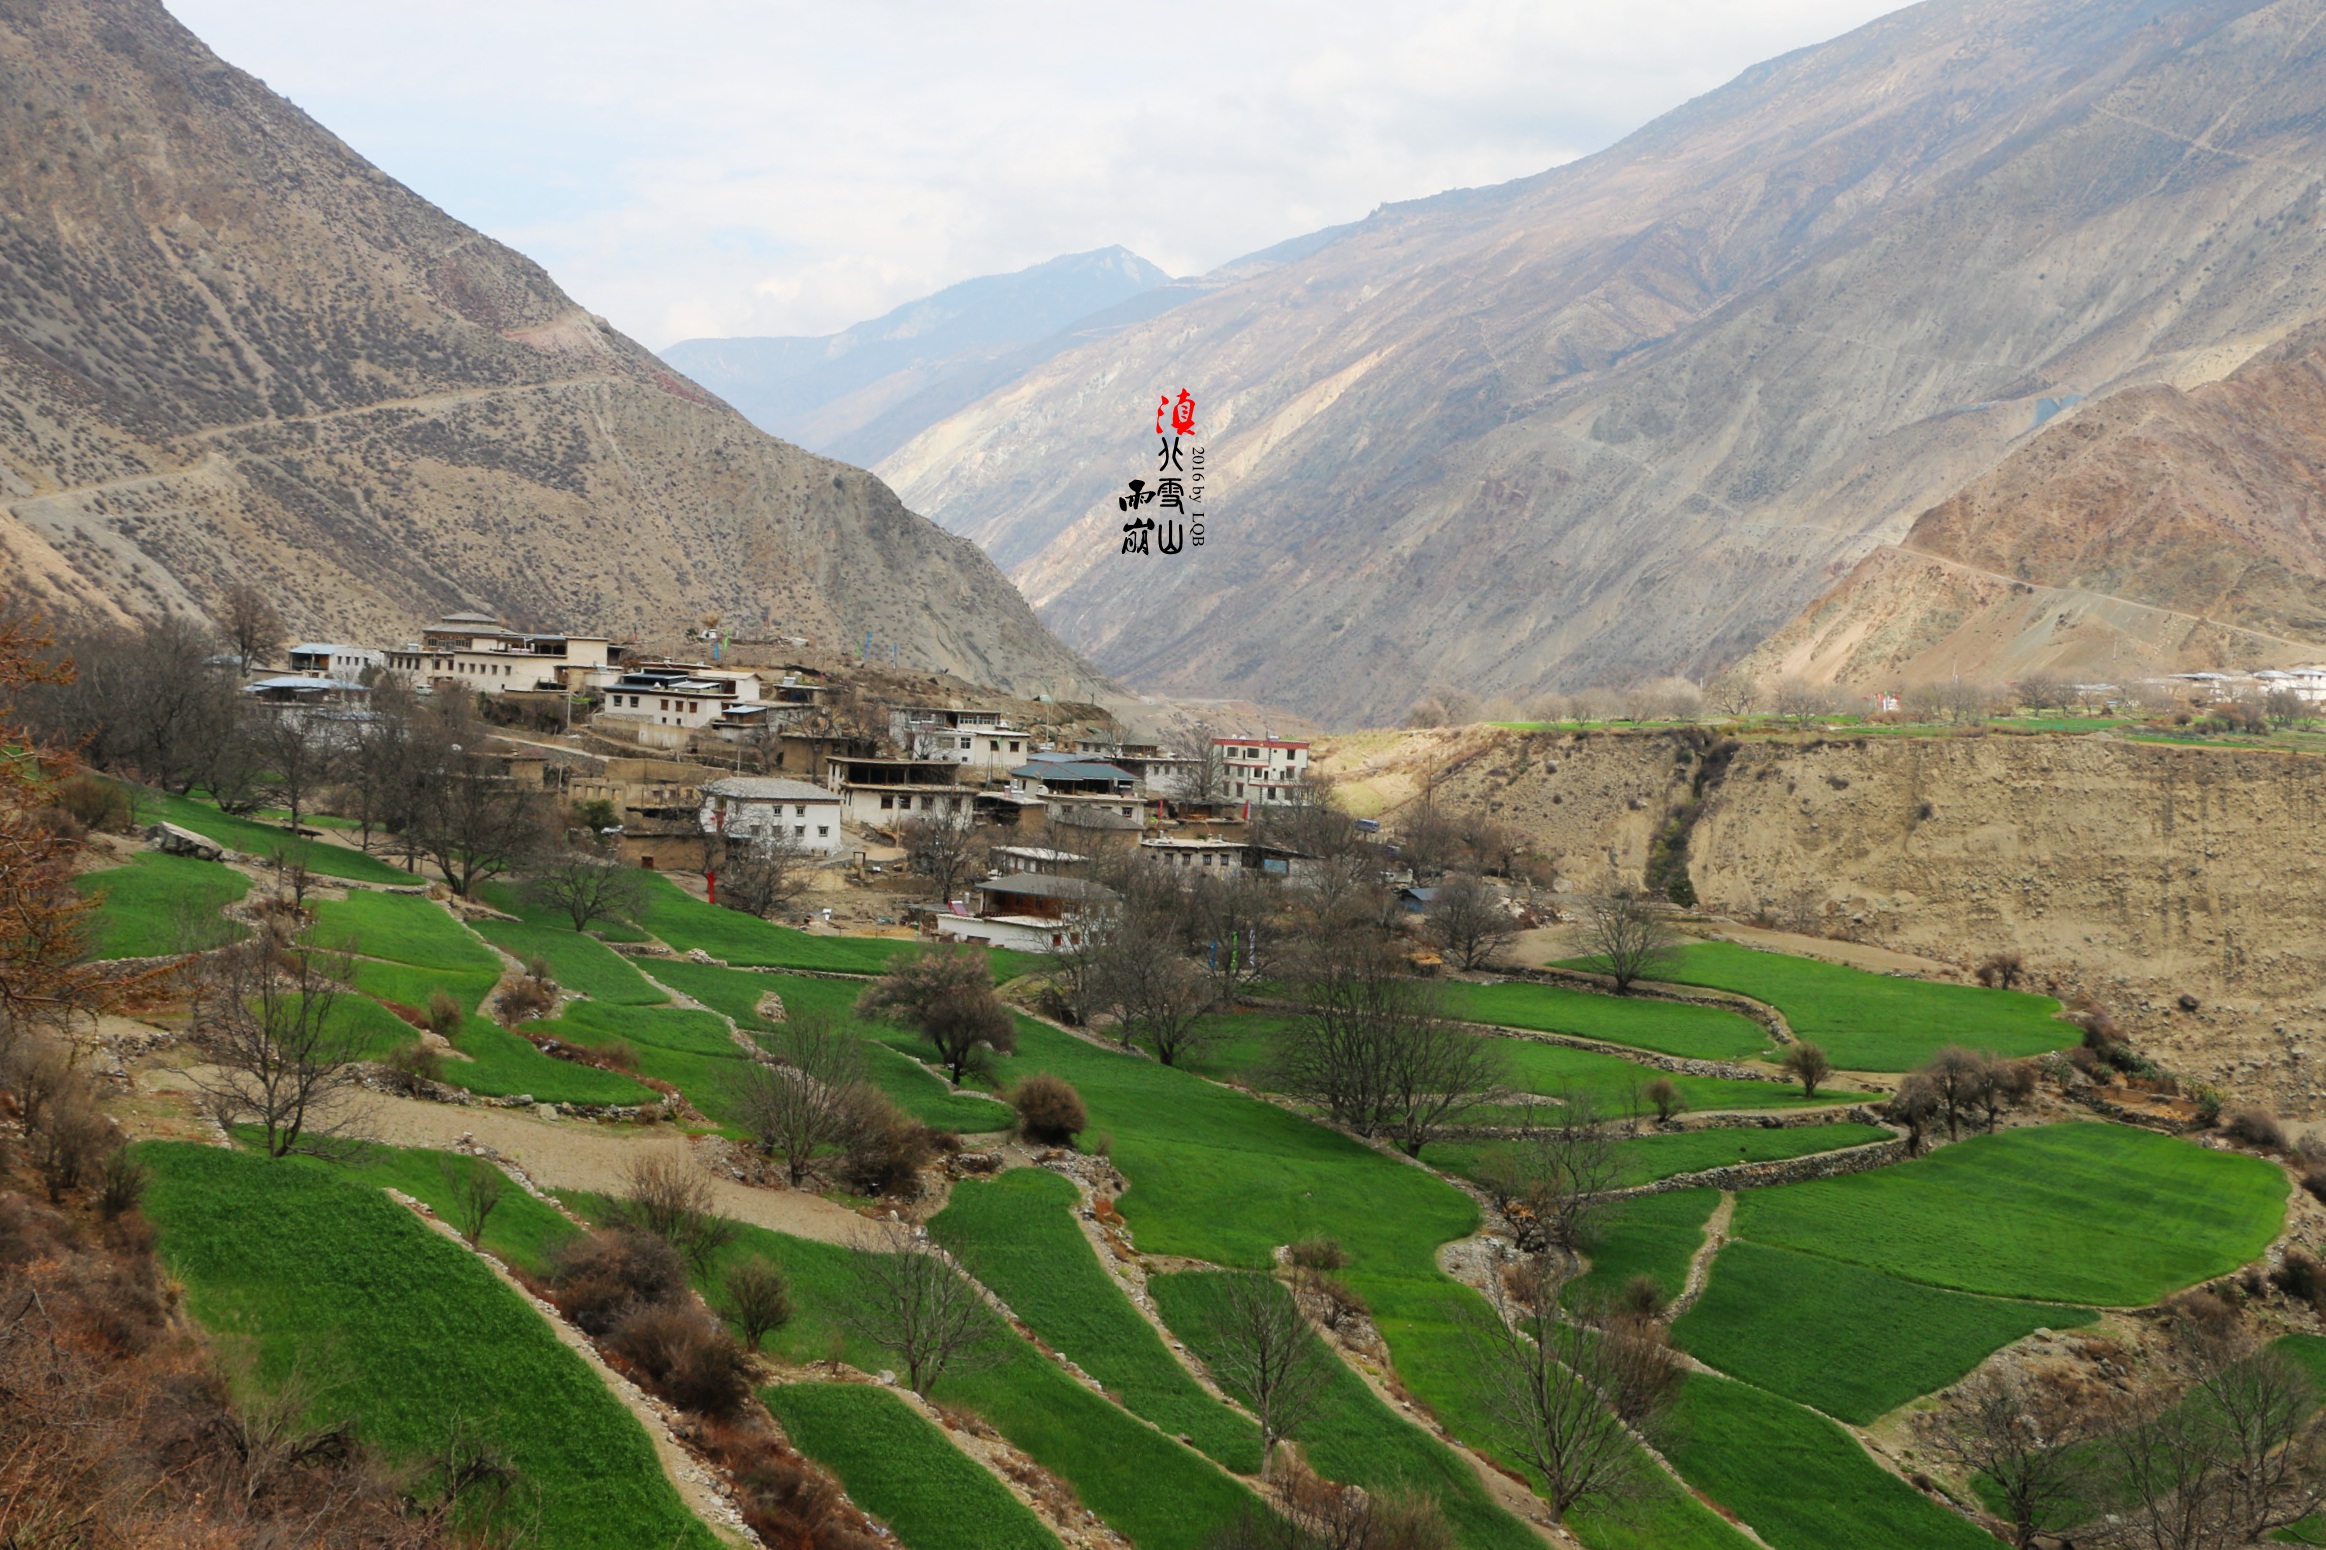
(914, 1305)
(808, 1101)
(469, 816)
(946, 995)
(668, 1196)
(281, 1046)
(1563, 1399)
(251, 627)
(1800, 702)
(1203, 778)
(1354, 1010)
(758, 874)
(1468, 920)
(1436, 1074)
(758, 1299)
(946, 848)
(1807, 1064)
(1139, 972)
(1630, 938)
(293, 754)
(1959, 1079)
(1235, 924)
(585, 884)
(1556, 1182)
(1914, 1105)
(2029, 1447)
(475, 1187)
(1313, 1513)
(1267, 1356)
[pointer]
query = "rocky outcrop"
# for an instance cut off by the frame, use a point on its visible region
(232, 350)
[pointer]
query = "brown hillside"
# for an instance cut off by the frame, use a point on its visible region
(2156, 529)
(230, 348)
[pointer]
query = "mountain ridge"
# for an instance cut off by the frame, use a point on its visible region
(1628, 416)
(237, 351)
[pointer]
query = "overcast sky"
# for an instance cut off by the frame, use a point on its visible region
(692, 167)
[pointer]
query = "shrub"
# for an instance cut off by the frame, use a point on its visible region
(525, 1000)
(686, 1356)
(1641, 1298)
(1049, 1109)
(121, 1181)
(1337, 1306)
(1805, 1063)
(601, 1277)
(2254, 1128)
(2300, 1276)
(1318, 1254)
(443, 1014)
(758, 1299)
(537, 967)
(887, 1149)
(2000, 971)
(619, 1055)
(2087, 1060)
(414, 1064)
(1665, 1097)
(94, 803)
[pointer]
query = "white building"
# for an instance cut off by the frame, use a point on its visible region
(666, 704)
(887, 791)
(316, 659)
(759, 807)
(477, 653)
(979, 739)
(1262, 769)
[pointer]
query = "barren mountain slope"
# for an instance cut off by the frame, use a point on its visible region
(1630, 415)
(2157, 529)
(230, 348)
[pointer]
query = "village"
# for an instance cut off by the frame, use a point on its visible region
(848, 783)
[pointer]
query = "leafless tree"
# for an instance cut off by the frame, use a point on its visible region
(1469, 921)
(293, 754)
(1267, 1356)
(1235, 925)
(475, 1187)
(1959, 1079)
(758, 1299)
(1807, 1064)
(249, 624)
(807, 1102)
(1436, 1074)
(376, 763)
(2284, 707)
(1563, 1399)
(586, 884)
(757, 874)
(914, 1305)
(1203, 779)
(2044, 691)
(1306, 820)
(1313, 1513)
(667, 1195)
(1353, 1008)
(469, 816)
(1630, 938)
(2028, 1445)
(1914, 1105)
(1555, 1182)
(1140, 972)
(1800, 702)
(946, 848)
(945, 995)
(281, 1046)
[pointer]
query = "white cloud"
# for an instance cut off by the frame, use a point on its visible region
(723, 167)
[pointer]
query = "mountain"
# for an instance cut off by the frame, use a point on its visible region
(231, 349)
(1628, 416)
(840, 393)
(2154, 531)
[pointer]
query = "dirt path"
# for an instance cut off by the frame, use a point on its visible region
(1854, 955)
(1700, 1262)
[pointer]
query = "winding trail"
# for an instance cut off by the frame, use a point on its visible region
(1700, 1263)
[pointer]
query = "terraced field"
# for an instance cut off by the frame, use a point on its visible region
(2098, 1214)
(149, 904)
(325, 1276)
(1667, 1027)
(1875, 1022)
(1645, 1159)
(902, 1469)
(262, 840)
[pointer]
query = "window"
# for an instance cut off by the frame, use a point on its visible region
(662, 704)
(823, 831)
(799, 831)
(799, 810)
(1013, 747)
(888, 801)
